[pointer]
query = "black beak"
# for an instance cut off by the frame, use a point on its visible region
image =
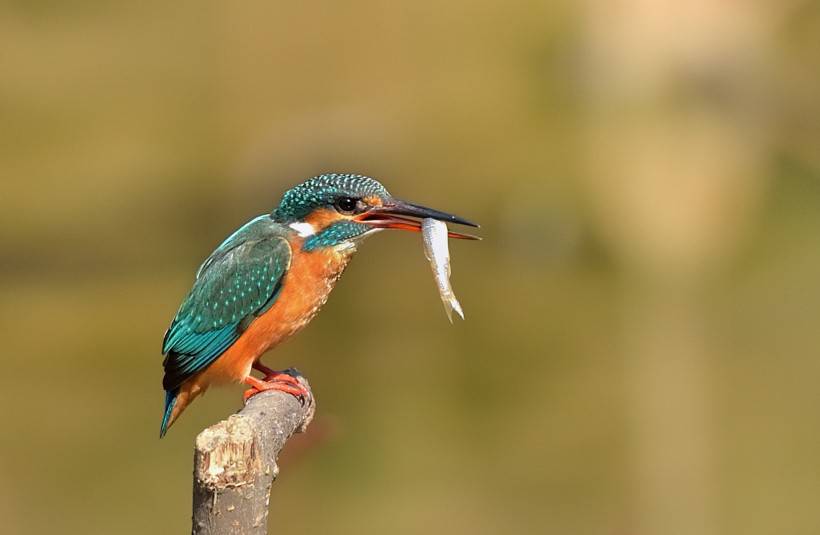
(422, 212)
(396, 214)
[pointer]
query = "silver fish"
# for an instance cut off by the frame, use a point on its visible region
(437, 251)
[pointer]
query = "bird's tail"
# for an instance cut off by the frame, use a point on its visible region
(170, 401)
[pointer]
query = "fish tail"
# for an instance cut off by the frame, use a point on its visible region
(448, 308)
(450, 304)
(454, 305)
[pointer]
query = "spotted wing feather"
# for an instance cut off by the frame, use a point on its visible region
(238, 283)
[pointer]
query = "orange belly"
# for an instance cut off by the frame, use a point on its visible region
(305, 288)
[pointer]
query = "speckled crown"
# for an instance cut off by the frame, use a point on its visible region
(322, 190)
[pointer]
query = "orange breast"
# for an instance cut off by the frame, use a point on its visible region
(305, 288)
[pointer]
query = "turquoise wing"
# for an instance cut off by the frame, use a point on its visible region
(235, 285)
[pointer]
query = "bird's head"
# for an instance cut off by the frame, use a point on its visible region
(337, 210)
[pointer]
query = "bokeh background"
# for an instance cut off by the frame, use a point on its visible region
(640, 351)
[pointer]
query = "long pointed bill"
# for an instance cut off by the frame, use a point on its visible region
(397, 214)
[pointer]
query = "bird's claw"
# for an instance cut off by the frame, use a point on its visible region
(280, 381)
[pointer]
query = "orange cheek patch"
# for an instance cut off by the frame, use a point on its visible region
(373, 200)
(322, 217)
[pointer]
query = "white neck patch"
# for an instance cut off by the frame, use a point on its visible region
(303, 229)
(345, 246)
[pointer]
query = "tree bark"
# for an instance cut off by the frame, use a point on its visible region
(235, 462)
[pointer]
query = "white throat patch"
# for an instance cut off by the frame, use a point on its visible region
(303, 229)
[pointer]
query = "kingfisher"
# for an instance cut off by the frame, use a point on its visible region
(268, 279)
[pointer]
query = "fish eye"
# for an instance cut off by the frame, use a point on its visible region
(346, 205)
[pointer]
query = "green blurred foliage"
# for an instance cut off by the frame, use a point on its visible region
(137, 135)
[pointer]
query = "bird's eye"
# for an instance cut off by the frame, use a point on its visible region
(347, 205)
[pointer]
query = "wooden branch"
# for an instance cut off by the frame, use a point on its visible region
(235, 462)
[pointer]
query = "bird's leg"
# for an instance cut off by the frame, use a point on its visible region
(257, 365)
(275, 381)
(264, 369)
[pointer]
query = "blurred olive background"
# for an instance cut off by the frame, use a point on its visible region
(639, 355)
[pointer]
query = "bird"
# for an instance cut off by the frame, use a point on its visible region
(268, 279)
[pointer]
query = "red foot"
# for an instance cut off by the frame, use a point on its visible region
(275, 381)
(276, 376)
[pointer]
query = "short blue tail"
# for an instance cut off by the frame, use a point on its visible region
(170, 401)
